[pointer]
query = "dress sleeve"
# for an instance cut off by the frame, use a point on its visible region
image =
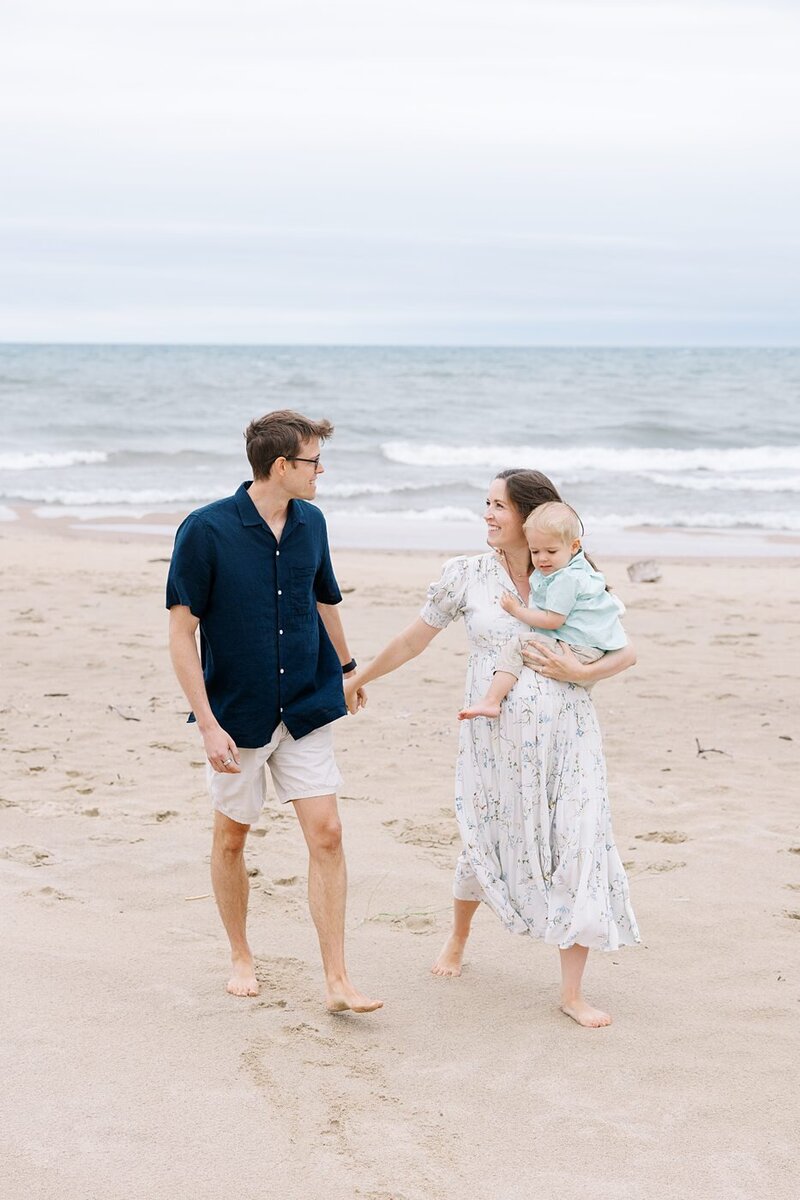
(447, 597)
(191, 568)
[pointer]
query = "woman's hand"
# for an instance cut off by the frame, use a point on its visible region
(545, 660)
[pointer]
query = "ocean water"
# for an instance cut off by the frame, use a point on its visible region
(693, 439)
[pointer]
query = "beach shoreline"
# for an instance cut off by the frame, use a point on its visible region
(384, 533)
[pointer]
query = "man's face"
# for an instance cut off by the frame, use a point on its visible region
(301, 477)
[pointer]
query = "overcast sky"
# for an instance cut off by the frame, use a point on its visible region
(446, 171)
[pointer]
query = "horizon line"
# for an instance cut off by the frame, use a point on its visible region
(317, 345)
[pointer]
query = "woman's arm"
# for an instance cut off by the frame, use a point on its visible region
(401, 649)
(568, 669)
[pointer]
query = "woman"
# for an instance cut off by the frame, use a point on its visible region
(531, 797)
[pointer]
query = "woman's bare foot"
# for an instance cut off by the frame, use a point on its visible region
(243, 981)
(484, 708)
(450, 957)
(341, 996)
(584, 1014)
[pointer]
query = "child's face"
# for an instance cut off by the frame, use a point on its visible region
(548, 552)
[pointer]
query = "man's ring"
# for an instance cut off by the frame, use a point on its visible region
(226, 762)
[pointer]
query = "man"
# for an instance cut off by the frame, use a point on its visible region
(254, 572)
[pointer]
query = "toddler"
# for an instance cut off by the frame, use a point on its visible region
(569, 601)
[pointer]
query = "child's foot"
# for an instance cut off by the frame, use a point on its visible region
(484, 708)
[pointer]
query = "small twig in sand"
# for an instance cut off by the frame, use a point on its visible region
(701, 751)
(125, 713)
(205, 896)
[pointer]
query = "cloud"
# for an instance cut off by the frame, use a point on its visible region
(323, 154)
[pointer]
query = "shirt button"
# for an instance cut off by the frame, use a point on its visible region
(277, 551)
(281, 670)
(280, 593)
(280, 631)
(281, 710)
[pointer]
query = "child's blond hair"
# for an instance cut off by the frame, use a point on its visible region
(557, 518)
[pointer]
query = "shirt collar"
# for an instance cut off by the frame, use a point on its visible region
(250, 515)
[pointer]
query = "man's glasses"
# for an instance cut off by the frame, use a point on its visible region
(296, 458)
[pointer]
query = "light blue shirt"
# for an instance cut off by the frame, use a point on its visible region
(591, 614)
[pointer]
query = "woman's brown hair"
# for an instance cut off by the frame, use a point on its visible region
(528, 489)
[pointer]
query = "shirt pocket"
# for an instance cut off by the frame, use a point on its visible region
(302, 591)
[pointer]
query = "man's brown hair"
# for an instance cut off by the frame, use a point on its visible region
(280, 434)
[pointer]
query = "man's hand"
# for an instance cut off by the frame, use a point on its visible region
(354, 694)
(221, 750)
(510, 604)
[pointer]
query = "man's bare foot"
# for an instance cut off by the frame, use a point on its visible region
(484, 708)
(243, 981)
(341, 996)
(450, 957)
(584, 1014)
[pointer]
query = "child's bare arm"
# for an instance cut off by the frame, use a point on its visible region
(537, 618)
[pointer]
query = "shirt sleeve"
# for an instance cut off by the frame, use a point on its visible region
(191, 568)
(447, 597)
(562, 594)
(326, 589)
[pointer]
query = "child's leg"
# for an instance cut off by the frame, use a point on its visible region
(489, 706)
(587, 654)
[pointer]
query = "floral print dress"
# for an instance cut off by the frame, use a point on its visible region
(531, 797)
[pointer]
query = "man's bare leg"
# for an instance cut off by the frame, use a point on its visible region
(573, 1004)
(327, 896)
(231, 889)
(452, 953)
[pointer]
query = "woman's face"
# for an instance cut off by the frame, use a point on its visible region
(503, 522)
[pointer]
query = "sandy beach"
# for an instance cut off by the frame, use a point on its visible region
(129, 1072)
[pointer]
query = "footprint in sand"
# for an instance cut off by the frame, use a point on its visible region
(28, 855)
(283, 981)
(49, 895)
(671, 836)
(432, 835)
(408, 922)
(794, 916)
(666, 865)
(165, 815)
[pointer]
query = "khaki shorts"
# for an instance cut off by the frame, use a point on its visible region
(299, 769)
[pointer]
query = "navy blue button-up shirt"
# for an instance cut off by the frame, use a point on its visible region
(266, 655)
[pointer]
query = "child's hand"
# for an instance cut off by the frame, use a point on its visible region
(510, 603)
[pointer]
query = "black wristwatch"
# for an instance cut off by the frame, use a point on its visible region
(348, 667)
